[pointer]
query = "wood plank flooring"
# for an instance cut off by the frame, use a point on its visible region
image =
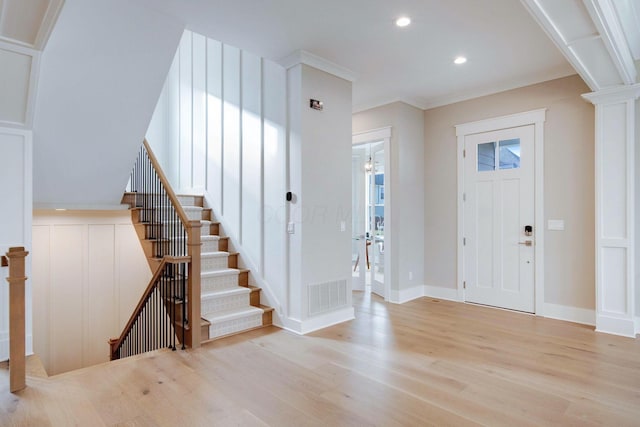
(427, 362)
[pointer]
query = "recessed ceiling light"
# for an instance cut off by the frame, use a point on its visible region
(460, 60)
(60, 209)
(403, 21)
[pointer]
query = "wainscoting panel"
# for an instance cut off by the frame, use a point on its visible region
(88, 274)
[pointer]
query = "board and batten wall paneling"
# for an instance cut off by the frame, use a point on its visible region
(231, 113)
(186, 112)
(231, 142)
(68, 269)
(275, 165)
(215, 160)
(251, 203)
(199, 120)
(15, 220)
(89, 272)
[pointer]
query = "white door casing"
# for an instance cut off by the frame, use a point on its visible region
(498, 203)
(537, 119)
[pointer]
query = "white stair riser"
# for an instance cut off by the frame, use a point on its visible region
(205, 230)
(218, 283)
(227, 302)
(236, 325)
(187, 200)
(214, 263)
(209, 246)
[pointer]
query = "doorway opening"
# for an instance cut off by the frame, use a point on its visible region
(368, 217)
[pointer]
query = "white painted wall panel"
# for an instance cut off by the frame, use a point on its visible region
(89, 272)
(232, 166)
(199, 73)
(185, 165)
(100, 293)
(614, 172)
(68, 273)
(41, 292)
(21, 19)
(274, 221)
(214, 123)
(15, 68)
(614, 279)
(252, 157)
(15, 220)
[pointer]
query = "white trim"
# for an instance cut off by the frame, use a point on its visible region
(533, 117)
(371, 135)
(79, 207)
(32, 83)
(315, 61)
(449, 294)
(623, 326)
(383, 133)
(570, 314)
(313, 324)
(604, 17)
(405, 295)
(637, 324)
(613, 95)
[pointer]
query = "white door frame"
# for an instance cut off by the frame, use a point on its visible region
(536, 118)
(374, 135)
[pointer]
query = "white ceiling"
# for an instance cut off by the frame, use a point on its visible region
(506, 48)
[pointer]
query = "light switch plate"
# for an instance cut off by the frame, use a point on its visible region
(343, 226)
(291, 228)
(555, 224)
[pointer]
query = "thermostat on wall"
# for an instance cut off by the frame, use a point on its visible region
(315, 104)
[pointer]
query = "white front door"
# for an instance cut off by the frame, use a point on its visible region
(498, 235)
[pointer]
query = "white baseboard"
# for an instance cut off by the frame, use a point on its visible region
(439, 292)
(318, 322)
(625, 327)
(570, 314)
(406, 295)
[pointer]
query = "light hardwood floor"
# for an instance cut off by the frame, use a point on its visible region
(427, 362)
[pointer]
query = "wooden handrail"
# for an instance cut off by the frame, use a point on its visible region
(115, 343)
(165, 182)
(17, 353)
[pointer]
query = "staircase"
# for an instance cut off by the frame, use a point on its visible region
(229, 304)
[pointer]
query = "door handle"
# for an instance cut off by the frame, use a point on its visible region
(526, 243)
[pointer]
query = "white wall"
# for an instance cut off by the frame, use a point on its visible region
(223, 120)
(220, 129)
(15, 221)
(407, 193)
(89, 272)
(320, 179)
(568, 185)
(100, 78)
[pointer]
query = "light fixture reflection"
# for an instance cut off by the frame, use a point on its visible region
(368, 166)
(403, 21)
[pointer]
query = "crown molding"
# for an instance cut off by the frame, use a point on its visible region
(315, 61)
(614, 94)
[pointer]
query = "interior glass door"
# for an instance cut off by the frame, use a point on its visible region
(368, 198)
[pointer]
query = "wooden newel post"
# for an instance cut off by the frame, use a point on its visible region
(17, 341)
(194, 247)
